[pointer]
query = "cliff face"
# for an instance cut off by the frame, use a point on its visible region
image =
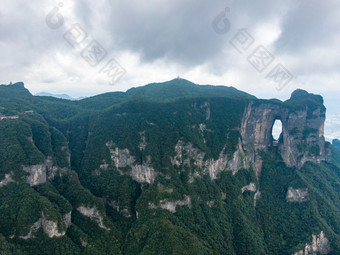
(94, 214)
(37, 174)
(319, 245)
(297, 195)
(302, 117)
(121, 158)
(50, 227)
(140, 168)
(303, 138)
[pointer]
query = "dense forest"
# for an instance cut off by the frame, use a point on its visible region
(135, 173)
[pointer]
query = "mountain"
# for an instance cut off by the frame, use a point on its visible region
(61, 96)
(336, 143)
(167, 168)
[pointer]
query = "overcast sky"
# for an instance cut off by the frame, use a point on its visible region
(156, 40)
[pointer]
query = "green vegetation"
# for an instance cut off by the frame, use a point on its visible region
(70, 137)
(336, 143)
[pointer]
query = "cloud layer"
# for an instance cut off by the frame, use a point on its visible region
(158, 40)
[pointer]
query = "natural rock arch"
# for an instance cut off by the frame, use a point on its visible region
(277, 122)
(302, 129)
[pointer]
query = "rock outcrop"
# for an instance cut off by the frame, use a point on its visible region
(142, 144)
(33, 228)
(51, 168)
(257, 196)
(319, 245)
(49, 227)
(302, 140)
(94, 214)
(239, 159)
(143, 173)
(37, 174)
(297, 195)
(67, 218)
(250, 187)
(8, 179)
(186, 153)
(121, 158)
(171, 205)
(189, 156)
(302, 117)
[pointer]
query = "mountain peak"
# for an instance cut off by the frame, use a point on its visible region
(181, 88)
(14, 90)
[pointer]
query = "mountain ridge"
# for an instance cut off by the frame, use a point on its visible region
(61, 96)
(183, 173)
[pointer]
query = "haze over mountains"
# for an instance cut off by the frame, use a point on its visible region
(62, 96)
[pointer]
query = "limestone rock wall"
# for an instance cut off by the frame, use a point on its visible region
(302, 131)
(297, 195)
(171, 205)
(303, 137)
(94, 214)
(49, 227)
(121, 158)
(37, 174)
(319, 245)
(250, 187)
(8, 179)
(187, 155)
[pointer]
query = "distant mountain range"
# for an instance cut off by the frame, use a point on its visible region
(61, 96)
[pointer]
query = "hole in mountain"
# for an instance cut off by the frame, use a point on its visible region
(277, 130)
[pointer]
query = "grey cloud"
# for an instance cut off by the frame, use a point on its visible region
(178, 31)
(25, 38)
(311, 23)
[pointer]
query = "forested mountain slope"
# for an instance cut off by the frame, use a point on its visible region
(168, 168)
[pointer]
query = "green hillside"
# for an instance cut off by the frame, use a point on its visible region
(148, 172)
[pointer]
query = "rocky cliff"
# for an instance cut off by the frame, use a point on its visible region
(50, 227)
(94, 214)
(302, 138)
(143, 172)
(319, 245)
